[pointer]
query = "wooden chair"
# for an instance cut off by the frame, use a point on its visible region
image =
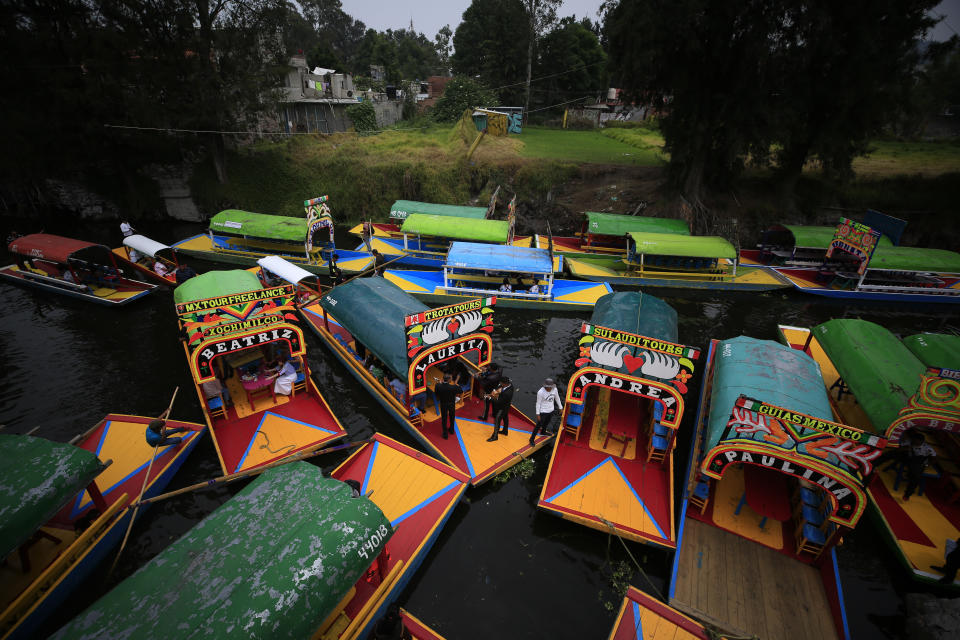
(572, 424)
(216, 407)
(811, 539)
(302, 372)
(657, 449)
(623, 439)
(700, 495)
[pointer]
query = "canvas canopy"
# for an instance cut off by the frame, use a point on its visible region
(259, 225)
(766, 371)
(817, 237)
(879, 369)
(285, 269)
(614, 224)
(636, 312)
(216, 283)
(53, 248)
(145, 245)
(915, 259)
(470, 255)
(935, 349)
(664, 244)
(372, 310)
(272, 562)
(456, 228)
(37, 478)
(403, 208)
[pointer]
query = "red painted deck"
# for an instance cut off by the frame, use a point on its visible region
(642, 616)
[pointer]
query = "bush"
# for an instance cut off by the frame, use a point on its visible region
(462, 93)
(363, 116)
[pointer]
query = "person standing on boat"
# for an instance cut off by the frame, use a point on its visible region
(918, 456)
(184, 273)
(548, 402)
(127, 229)
(448, 394)
(489, 379)
(501, 409)
(285, 378)
(336, 273)
(951, 564)
(159, 436)
(378, 262)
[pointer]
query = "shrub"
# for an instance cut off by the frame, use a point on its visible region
(462, 93)
(363, 116)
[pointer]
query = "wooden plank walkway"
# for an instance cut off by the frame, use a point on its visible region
(746, 589)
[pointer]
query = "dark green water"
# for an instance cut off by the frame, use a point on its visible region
(500, 568)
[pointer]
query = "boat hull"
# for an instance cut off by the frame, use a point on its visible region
(150, 274)
(745, 280)
(10, 274)
(200, 246)
(803, 280)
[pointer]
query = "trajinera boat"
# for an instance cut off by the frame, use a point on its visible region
(889, 387)
(796, 246)
(400, 209)
(510, 273)
(612, 464)
(602, 236)
(242, 237)
(395, 346)
(301, 555)
(675, 261)
(772, 485)
(141, 254)
(858, 264)
(642, 616)
(233, 329)
(73, 268)
(63, 507)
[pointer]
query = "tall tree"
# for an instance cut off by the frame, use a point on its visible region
(541, 15)
(573, 50)
(491, 42)
(442, 44)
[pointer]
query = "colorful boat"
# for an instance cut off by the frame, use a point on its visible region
(242, 237)
(858, 265)
(888, 386)
(299, 555)
(789, 245)
(612, 464)
(416, 629)
(772, 486)
(72, 268)
(473, 269)
(400, 209)
(63, 507)
(676, 261)
(274, 270)
(603, 235)
(642, 616)
(140, 252)
(368, 321)
(231, 326)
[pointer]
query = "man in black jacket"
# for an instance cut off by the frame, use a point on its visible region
(489, 379)
(501, 408)
(447, 395)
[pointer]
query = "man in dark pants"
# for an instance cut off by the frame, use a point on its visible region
(501, 408)
(489, 379)
(548, 402)
(447, 395)
(949, 568)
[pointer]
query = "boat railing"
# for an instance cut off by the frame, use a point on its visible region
(57, 282)
(713, 274)
(499, 294)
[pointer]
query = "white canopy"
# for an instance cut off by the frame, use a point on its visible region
(144, 245)
(320, 71)
(284, 269)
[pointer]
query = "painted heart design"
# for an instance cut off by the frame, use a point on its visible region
(581, 362)
(632, 363)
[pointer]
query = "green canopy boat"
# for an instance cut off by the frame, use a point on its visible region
(272, 562)
(665, 244)
(216, 283)
(404, 208)
(259, 225)
(936, 350)
(615, 224)
(914, 259)
(636, 312)
(418, 224)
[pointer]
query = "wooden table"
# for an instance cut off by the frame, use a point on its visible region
(767, 493)
(253, 387)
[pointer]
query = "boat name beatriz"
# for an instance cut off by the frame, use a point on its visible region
(239, 298)
(242, 342)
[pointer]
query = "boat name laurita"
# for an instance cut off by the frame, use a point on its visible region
(445, 353)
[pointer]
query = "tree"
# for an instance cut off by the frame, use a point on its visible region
(442, 46)
(541, 15)
(573, 49)
(462, 93)
(491, 43)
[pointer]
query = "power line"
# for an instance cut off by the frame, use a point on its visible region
(552, 75)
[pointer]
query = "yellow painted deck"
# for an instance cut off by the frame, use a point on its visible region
(643, 617)
(473, 436)
(419, 481)
(202, 247)
(746, 523)
(746, 589)
(744, 277)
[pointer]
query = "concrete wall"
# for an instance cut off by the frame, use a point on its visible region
(388, 112)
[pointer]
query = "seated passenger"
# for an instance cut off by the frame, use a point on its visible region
(285, 378)
(506, 287)
(184, 273)
(160, 269)
(159, 436)
(535, 288)
(399, 389)
(376, 369)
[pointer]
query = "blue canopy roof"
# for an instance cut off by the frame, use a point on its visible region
(473, 255)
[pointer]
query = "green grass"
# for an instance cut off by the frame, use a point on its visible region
(890, 158)
(590, 146)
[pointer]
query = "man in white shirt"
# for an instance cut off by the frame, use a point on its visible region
(548, 402)
(126, 229)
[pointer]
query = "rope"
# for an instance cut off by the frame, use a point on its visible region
(613, 531)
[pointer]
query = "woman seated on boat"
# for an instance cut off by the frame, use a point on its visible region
(285, 377)
(376, 369)
(506, 287)
(535, 288)
(159, 436)
(160, 269)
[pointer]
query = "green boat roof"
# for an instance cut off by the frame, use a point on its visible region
(879, 369)
(272, 562)
(216, 283)
(372, 310)
(815, 237)
(37, 478)
(935, 349)
(664, 244)
(259, 225)
(636, 312)
(404, 208)
(915, 259)
(765, 371)
(616, 224)
(457, 228)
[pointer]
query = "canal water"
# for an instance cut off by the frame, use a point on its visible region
(500, 568)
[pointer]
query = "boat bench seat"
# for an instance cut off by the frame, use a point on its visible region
(55, 281)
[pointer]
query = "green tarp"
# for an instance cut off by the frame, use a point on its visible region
(259, 225)
(935, 349)
(614, 224)
(765, 371)
(372, 310)
(37, 478)
(809, 237)
(456, 228)
(915, 259)
(216, 283)
(664, 244)
(272, 562)
(879, 369)
(404, 208)
(635, 312)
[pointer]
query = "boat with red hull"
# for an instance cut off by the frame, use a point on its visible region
(140, 253)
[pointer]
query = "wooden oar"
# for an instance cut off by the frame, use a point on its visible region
(362, 273)
(240, 475)
(143, 487)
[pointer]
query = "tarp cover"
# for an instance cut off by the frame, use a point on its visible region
(496, 257)
(259, 225)
(49, 247)
(880, 371)
(456, 228)
(614, 224)
(143, 244)
(765, 371)
(403, 208)
(810, 237)
(216, 283)
(285, 269)
(636, 312)
(935, 349)
(915, 259)
(665, 244)
(372, 310)
(37, 478)
(272, 562)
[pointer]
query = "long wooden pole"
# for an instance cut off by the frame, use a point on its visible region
(143, 488)
(327, 287)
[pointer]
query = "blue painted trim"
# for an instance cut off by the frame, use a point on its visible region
(103, 436)
(637, 622)
(463, 449)
(843, 606)
(366, 474)
(246, 452)
(637, 497)
(412, 511)
(567, 488)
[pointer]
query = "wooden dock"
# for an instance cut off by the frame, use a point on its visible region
(746, 589)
